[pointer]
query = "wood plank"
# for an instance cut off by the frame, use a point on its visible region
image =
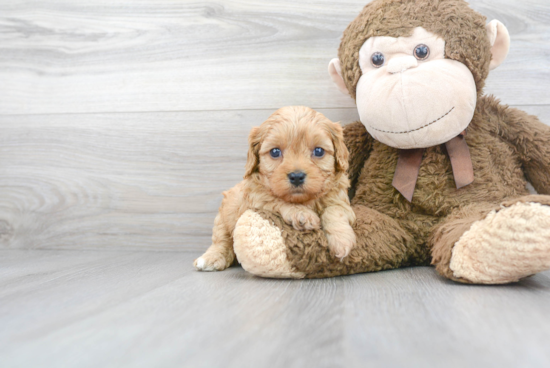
(63, 56)
(141, 180)
(131, 181)
(150, 309)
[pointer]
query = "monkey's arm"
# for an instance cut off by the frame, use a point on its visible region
(532, 141)
(359, 144)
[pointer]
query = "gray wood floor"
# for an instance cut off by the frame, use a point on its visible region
(150, 309)
(122, 121)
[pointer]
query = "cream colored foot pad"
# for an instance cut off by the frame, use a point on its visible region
(505, 246)
(260, 248)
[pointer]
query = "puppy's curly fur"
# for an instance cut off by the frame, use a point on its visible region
(284, 144)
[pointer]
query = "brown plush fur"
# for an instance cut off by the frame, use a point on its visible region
(462, 29)
(391, 232)
(507, 147)
(322, 199)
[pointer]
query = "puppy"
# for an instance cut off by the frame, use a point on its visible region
(296, 166)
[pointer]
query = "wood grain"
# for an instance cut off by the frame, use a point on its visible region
(141, 180)
(133, 181)
(63, 56)
(151, 309)
(122, 121)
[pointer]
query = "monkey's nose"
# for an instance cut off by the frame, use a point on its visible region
(401, 63)
(297, 178)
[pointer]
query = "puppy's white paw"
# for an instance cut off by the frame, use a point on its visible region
(210, 262)
(341, 243)
(304, 220)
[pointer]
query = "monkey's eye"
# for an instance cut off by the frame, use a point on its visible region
(318, 152)
(377, 59)
(275, 153)
(421, 52)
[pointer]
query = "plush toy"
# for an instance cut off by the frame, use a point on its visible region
(438, 170)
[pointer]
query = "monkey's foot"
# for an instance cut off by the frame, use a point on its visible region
(506, 246)
(260, 248)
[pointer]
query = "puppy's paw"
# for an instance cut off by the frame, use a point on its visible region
(305, 220)
(211, 262)
(342, 242)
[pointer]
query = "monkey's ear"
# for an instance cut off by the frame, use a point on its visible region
(500, 42)
(335, 71)
(253, 156)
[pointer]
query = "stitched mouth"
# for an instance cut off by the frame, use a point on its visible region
(414, 130)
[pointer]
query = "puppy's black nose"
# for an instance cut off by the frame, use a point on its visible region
(297, 178)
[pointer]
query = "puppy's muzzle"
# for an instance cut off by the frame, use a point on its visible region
(297, 178)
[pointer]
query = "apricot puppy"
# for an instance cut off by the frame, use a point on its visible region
(296, 166)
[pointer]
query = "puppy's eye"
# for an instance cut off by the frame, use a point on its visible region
(377, 59)
(318, 152)
(421, 52)
(275, 153)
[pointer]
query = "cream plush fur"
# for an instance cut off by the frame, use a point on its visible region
(476, 234)
(416, 113)
(499, 38)
(260, 248)
(320, 199)
(505, 246)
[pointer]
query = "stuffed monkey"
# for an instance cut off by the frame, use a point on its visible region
(438, 170)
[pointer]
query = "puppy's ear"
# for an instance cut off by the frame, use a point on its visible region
(341, 153)
(253, 157)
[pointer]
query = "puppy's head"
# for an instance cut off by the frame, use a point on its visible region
(297, 153)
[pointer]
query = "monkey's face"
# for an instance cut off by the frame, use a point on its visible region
(409, 94)
(415, 75)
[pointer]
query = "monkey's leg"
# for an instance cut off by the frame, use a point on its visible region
(266, 246)
(220, 254)
(494, 244)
